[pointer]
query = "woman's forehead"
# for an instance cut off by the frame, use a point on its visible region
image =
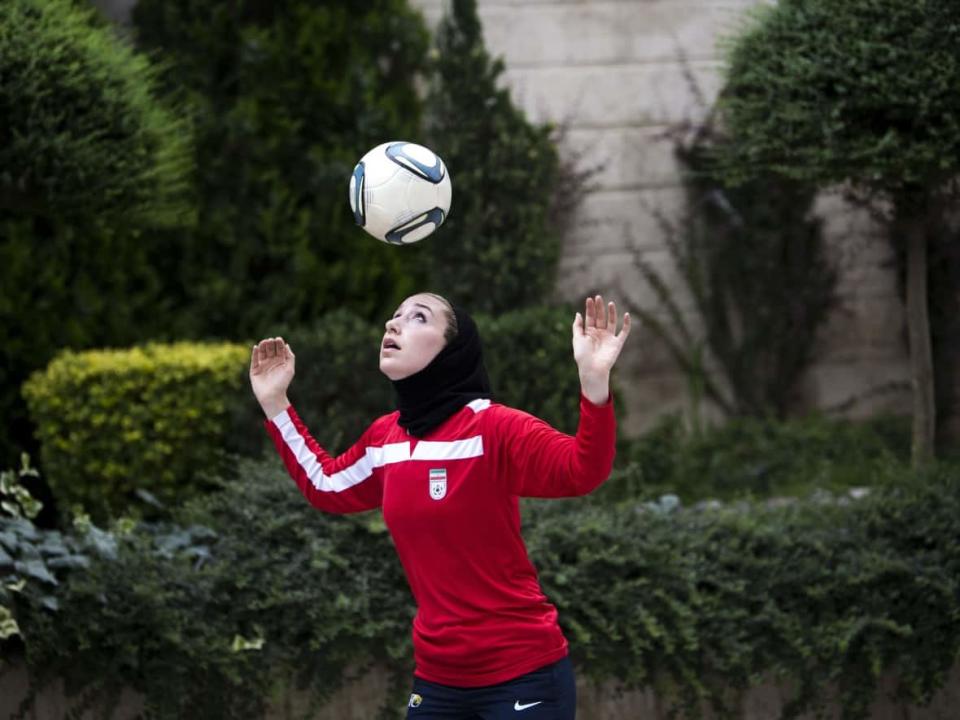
(423, 299)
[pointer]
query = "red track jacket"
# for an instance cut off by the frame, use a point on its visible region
(450, 501)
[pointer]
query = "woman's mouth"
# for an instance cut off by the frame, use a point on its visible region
(390, 345)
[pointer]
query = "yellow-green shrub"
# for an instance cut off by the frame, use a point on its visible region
(151, 418)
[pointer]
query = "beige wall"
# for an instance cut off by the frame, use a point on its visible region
(614, 73)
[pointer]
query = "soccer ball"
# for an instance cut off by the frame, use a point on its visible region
(400, 192)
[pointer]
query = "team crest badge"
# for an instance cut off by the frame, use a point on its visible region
(438, 484)
(415, 700)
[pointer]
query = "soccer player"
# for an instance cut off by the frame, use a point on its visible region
(448, 468)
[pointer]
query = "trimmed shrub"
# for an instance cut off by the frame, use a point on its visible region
(861, 91)
(119, 427)
(239, 602)
(824, 596)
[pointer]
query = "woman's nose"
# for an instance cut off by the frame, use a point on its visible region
(392, 325)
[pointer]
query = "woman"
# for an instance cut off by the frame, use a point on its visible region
(448, 468)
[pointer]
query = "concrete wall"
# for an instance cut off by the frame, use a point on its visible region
(618, 74)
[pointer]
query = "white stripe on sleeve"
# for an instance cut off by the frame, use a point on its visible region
(355, 474)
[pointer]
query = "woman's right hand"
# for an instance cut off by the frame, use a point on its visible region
(271, 372)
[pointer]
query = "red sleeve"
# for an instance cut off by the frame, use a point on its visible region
(351, 482)
(544, 462)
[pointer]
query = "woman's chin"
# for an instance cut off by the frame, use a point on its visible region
(390, 370)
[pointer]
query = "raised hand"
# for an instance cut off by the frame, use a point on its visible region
(272, 366)
(597, 345)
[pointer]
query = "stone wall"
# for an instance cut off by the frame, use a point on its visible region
(617, 74)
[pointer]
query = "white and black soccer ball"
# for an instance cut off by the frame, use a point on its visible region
(400, 192)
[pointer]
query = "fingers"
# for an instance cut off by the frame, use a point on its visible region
(269, 349)
(594, 312)
(601, 313)
(625, 330)
(577, 325)
(603, 316)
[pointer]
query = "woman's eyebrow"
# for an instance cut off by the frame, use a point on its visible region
(425, 307)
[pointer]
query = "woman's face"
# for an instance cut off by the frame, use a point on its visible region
(414, 336)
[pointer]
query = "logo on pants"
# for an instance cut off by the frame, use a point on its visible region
(414, 701)
(438, 484)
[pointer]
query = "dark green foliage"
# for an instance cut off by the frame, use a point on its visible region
(208, 620)
(864, 90)
(285, 97)
(258, 592)
(862, 93)
(81, 136)
(750, 457)
(497, 251)
(338, 389)
(754, 265)
(88, 159)
(66, 286)
(818, 594)
(122, 430)
(529, 357)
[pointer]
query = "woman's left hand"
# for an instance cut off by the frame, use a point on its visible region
(597, 345)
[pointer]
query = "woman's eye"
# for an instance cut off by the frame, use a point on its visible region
(420, 316)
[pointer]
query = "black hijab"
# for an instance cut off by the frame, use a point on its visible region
(453, 378)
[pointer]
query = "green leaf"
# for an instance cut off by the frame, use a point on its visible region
(8, 626)
(37, 570)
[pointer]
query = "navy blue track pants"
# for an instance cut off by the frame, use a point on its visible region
(548, 693)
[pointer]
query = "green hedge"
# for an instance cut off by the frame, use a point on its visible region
(760, 458)
(256, 592)
(116, 423)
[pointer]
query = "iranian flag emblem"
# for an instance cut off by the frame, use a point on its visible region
(438, 484)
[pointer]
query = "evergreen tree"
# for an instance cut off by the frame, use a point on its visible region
(286, 96)
(89, 159)
(862, 92)
(497, 250)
